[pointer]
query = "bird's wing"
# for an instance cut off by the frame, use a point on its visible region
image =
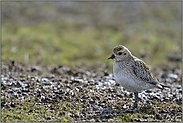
(142, 71)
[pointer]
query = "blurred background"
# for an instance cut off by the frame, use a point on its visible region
(84, 33)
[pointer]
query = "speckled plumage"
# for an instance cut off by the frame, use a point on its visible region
(130, 72)
(138, 75)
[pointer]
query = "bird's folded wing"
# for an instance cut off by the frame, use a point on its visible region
(142, 72)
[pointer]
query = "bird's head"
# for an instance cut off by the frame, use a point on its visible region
(120, 53)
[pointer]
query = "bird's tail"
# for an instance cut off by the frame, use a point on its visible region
(159, 85)
(162, 86)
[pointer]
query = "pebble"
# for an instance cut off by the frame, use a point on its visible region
(171, 75)
(97, 95)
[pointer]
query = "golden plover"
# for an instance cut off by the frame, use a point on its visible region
(132, 73)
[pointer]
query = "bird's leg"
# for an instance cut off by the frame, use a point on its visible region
(136, 100)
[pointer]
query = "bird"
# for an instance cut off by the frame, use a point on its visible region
(132, 73)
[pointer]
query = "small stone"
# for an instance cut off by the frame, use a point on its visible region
(18, 84)
(164, 76)
(3, 104)
(95, 108)
(106, 73)
(10, 91)
(85, 85)
(92, 101)
(171, 75)
(79, 115)
(178, 101)
(148, 91)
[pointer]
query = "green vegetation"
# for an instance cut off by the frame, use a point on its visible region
(62, 42)
(125, 118)
(56, 45)
(28, 111)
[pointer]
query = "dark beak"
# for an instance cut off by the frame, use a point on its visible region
(112, 56)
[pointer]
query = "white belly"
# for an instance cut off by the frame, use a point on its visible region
(131, 84)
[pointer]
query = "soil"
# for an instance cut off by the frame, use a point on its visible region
(94, 89)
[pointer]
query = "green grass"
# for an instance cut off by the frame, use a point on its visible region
(27, 111)
(45, 44)
(125, 118)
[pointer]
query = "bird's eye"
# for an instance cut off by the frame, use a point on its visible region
(124, 53)
(119, 53)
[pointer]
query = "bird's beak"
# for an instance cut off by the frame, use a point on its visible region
(112, 56)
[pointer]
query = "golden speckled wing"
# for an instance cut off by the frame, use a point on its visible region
(142, 71)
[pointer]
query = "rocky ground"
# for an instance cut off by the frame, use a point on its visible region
(73, 94)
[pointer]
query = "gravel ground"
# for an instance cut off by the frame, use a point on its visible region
(82, 95)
